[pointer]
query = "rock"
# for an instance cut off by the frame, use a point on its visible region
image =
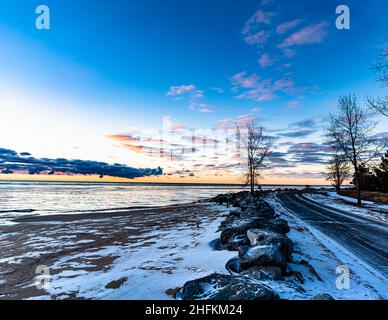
(264, 273)
(247, 223)
(265, 214)
(248, 213)
(116, 284)
(296, 275)
(277, 225)
(322, 296)
(238, 227)
(172, 292)
(236, 242)
(231, 219)
(262, 255)
(282, 225)
(234, 265)
(225, 287)
(227, 234)
(235, 213)
(257, 236)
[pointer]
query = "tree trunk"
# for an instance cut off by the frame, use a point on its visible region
(359, 202)
(252, 182)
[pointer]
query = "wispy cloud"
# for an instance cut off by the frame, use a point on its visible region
(193, 95)
(298, 133)
(312, 34)
(244, 80)
(181, 90)
(258, 38)
(253, 88)
(265, 60)
(259, 17)
(288, 26)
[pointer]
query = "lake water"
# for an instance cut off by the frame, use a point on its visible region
(22, 198)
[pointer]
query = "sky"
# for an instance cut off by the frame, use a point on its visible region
(131, 89)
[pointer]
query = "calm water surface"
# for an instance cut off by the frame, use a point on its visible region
(22, 198)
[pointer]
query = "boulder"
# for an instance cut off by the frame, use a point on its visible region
(322, 296)
(264, 273)
(227, 234)
(236, 242)
(238, 227)
(226, 287)
(269, 254)
(234, 265)
(263, 213)
(257, 237)
(277, 225)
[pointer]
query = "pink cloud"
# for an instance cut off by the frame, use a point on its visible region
(243, 80)
(311, 34)
(265, 60)
(284, 83)
(257, 95)
(260, 17)
(177, 127)
(287, 26)
(258, 38)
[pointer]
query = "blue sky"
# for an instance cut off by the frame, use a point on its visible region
(112, 68)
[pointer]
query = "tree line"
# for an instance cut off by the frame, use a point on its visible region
(356, 149)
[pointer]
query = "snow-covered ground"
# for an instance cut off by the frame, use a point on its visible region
(146, 269)
(332, 199)
(325, 256)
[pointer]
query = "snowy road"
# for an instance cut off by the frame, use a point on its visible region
(365, 237)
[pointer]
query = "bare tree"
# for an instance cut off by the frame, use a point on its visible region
(380, 69)
(338, 170)
(350, 129)
(257, 147)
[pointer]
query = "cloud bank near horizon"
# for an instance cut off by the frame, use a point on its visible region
(12, 162)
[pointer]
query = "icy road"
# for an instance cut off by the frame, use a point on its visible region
(365, 237)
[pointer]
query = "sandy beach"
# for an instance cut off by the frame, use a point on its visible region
(139, 254)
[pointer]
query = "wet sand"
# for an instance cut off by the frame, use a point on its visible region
(72, 244)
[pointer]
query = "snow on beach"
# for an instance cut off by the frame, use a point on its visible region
(325, 256)
(114, 258)
(148, 272)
